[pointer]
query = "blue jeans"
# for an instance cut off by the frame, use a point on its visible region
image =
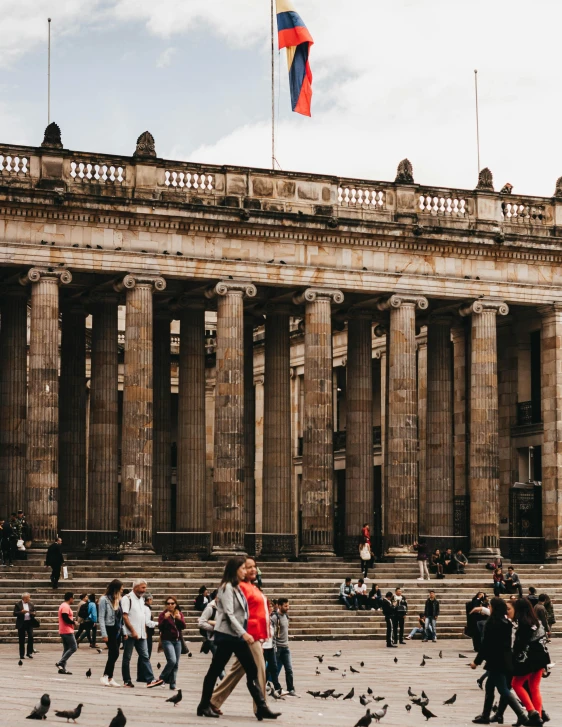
(430, 629)
(145, 670)
(172, 651)
(499, 588)
(284, 660)
(271, 669)
(415, 631)
(69, 647)
(349, 602)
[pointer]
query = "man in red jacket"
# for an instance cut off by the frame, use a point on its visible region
(258, 627)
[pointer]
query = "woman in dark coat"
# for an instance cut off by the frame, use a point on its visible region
(495, 650)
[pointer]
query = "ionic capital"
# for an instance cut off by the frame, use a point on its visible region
(311, 295)
(232, 287)
(484, 306)
(134, 280)
(397, 300)
(59, 276)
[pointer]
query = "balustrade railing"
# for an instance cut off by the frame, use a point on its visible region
(13, 165)
(443, 205)
(100, 173)
(520, 212)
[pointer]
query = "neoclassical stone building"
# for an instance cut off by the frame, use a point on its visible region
(205, 359)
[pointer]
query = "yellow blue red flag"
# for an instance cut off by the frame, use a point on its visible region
(294, 36)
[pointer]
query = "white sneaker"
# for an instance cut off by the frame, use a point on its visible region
(113, 683)
(421, 579)
(105, 680)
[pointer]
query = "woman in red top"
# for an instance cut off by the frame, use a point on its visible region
(170, 624)
(366, 533)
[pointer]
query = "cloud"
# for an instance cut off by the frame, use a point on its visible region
(165, 58)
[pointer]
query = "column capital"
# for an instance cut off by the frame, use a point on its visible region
(133, 280)
(397, 300)
(484, 305)
(548, 310)
(310, 295)
(245, 288)
(60, 276)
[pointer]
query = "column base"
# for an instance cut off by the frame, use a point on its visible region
(483, 555)
(227, 552)
(314, 551)
(399, 553)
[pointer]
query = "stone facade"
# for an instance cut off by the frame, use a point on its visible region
(226, 358)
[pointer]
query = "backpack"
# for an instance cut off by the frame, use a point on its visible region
(83, 611)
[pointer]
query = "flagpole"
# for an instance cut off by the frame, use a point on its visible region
(477, 121)
(272, 86)
(49, 75)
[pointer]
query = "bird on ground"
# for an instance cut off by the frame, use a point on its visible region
(326, 694)
(333, 668)
(362, 664)
(189, 654)
(20, 662)
(365, 720)
(364, 701)
(396, 660)
(422, 662)
(313, 694)
(158, 665)
(408, 707)
(337, 696)
(427, 714)
(420, 702)
(88, 673)
(369, 690)
(70, 714)
(344, 673)
(440, 654)
(379, 699)
(463, 656)
(98, 649)
(41, 709)
(176, 699)
(119, 720)
(424, 695)
(350, 694)
(380, 713)
(410, 693)
(354, 671)
(425, 656)
(318, 672)
(320, 658)
(338, 653)
(452, 700)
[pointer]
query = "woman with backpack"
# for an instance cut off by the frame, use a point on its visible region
(366, 556)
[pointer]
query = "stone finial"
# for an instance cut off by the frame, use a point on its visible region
(485, 181)
(506, 189)
(52, 138)
(405, 172)
(558, 190)
(145, 145)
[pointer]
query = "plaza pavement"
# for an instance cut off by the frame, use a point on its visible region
(21, 687)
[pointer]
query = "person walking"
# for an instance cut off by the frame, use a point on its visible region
(111, 624)
(66, 632)
(422, 550)
(91, 622)
(495, 650)
(151, 625)
(55, 560)
(134, 619)
(388, 608)
(431, 613)
(550, 617)
(231, 638)
(530, 658)
(400, 613)
(540, 612)
(170, 624)
(366, 557)
(281, 641)
(24, 612)
(271, 666)
(82, 617)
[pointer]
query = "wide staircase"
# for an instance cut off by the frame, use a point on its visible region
(311, 587)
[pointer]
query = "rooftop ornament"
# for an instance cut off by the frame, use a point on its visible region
(52, 138)
(558, 190)
(145, 145)
(485, 181)
(405, 172)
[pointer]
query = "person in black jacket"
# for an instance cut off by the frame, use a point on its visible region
(24, 611)
(495, 650)
(388, 613)
(400, 613)
(8, 541)
(431, 615)
(54, 560)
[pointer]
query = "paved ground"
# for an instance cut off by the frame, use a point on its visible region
(21, 687)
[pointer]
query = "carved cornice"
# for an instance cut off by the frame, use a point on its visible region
(311, 295)
(484, 305)
(60, 276)
(136, 280)
(232, 287)
(397, 300)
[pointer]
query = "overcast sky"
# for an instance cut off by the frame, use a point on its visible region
(392, 79)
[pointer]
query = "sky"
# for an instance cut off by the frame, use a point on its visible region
(392, 79)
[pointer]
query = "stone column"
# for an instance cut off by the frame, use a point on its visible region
(483, 473)
(401, 477)
(458, 335)
(137, 428)
(249, 426)
(43, 402)
(359, 495)
(72, 427)
(551, 384)
(421, 342)
(103, 447)
(277, 455)
(439, 446)
(13, 400)
(162, 476)
(318, 452)
(230, 462)
(507, 410)
(191, 513)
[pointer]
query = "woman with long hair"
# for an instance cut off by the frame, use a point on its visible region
(495, 650)
(111, 622)
(231, 637)
(530, 657)
(170, 624)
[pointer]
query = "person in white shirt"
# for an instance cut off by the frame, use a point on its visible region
(24, 611)
(360, 589)
(134, 628)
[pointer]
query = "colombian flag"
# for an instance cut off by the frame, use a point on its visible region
(294, 36)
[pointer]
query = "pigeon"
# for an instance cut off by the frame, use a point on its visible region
(320, 658)
(158, 665)
(176, 699)
(410, 693)
(365, 720)
(189, 654)
(422, 662)
(427, 714)
(326, 694)
(362, 664)
(70, 714)
(380, 713)
(425, 656)
(338, 653)
(420, 702)
(369, 690)
(350, 694)
(337, 696)
(20, 662)
(318, 672)
(333, 668)
(313, 694)
(408, 707)
(364, 701)
(354, 671)
(452, 700)
(440, 654)
(344, 673)
(463, 656)
(40, 711)
(119, 720)
(88, 673)
(396, 660)
(424, 695)
(379, 699)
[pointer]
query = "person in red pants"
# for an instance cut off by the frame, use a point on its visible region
(530, 657)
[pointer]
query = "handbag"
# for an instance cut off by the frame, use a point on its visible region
(35, 623)
(64, 572)
(184, 647)
(20, 545)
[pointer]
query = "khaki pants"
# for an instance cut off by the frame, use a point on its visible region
(236, 673)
